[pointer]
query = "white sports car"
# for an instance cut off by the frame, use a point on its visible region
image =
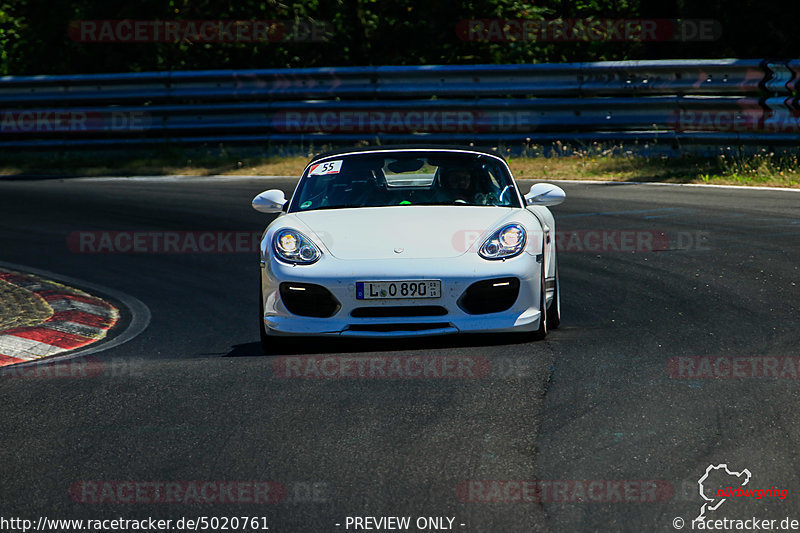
(400, 242)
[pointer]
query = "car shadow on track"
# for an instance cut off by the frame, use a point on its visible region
(310, 345)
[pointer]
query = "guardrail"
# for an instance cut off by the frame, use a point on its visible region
(677, 103)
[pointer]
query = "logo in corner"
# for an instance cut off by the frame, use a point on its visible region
(713, 503)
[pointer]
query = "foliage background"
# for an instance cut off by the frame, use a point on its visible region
(34, 38)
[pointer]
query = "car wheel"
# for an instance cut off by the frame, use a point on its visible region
(554, 311)
(541, 333)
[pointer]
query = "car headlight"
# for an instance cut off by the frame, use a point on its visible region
(294, 247)
(506, 242)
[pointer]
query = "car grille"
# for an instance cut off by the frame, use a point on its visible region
(398, 311)
(306, 299)
(489, 296)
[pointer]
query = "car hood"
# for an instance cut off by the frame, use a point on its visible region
(402, 231)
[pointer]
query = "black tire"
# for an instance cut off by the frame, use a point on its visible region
(541, 333)
(554, 311)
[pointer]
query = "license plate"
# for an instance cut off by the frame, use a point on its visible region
(373, 290)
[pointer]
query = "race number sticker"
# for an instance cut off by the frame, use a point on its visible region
(329, 167)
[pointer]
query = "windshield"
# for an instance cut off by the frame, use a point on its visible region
(405, 178)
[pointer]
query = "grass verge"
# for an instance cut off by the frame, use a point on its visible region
(761, 168)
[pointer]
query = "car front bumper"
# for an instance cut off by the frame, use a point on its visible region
(339, 277)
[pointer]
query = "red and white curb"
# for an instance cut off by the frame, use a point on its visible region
(78, 319)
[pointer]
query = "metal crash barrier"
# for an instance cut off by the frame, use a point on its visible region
(678, 103)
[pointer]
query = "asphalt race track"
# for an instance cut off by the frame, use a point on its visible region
(642, 382)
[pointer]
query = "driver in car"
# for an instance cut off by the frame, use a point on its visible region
(459, 185)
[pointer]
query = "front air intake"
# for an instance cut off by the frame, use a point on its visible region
(307, 299)
(489, 296)
(398, 311)
(388, 328)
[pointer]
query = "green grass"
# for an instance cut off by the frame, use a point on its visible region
(614, 163)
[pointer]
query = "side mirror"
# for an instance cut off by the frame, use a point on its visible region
(271, 201)
(545, 194)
